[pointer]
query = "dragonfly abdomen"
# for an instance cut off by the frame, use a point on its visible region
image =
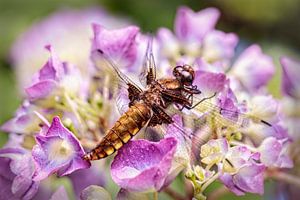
(128, 125)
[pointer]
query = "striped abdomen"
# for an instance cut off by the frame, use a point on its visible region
(123, 130)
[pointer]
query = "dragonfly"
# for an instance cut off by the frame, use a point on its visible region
(149, 107)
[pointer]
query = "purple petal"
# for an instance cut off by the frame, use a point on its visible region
(142, 165)
(209, 82)
(6, 178)
(119, 44)
(239, 156)
(270, 149)
(204, 65)
(95, 192)
(290, 77)
(250, 178)
(60, 194)
(57, 151)
(272, 154)
(76, 164)
(218, 45)
(168, 43)
(5, 171)
(190, 25)
(23, 122)
(84, 178)
(19, 174)
(24, 187)
(53, 69)
(44, 192)
(253, 68)
(11, 152)
(227, 180)
(228, 102)
(41, 89)
(56, 75)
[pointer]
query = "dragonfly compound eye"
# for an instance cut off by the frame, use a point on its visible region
(177, 71)
(187, 77)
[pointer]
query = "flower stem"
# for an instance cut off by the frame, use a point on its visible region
(173, 194)
(216, 194)
(285, 177)
(212, 179)
(155, 196)
(73, 108)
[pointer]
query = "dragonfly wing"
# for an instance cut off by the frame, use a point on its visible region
(230, 120)
(148, 73)
(122, 101)
(114, 78)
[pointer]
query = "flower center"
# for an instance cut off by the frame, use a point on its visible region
(60, 150)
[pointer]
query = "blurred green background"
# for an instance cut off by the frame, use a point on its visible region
(274, 24)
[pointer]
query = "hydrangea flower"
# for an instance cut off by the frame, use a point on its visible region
(57, 151)
(54, 77)
(237, 166)
(197, 41)
(214, 151)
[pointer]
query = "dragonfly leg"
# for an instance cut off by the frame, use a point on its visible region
(199, 102)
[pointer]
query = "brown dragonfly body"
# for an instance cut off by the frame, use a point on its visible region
(123, 130)
(147, 108)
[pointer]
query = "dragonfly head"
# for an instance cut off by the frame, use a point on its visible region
(185, 74)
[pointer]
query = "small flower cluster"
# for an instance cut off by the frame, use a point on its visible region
(238, 149)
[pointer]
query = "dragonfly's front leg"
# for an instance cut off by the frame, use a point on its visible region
(191, 106)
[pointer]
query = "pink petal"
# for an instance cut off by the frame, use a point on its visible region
(251, 178)
(41, 89)
(209, 82)
(60, 194)
(253, 68)
(142, 165)
(118, 44)
(190, 25)
(219, 46)
(290, 77)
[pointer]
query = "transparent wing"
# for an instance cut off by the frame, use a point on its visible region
(186, 138)
(148, 72)
(225, 118)
(115, 81)
(122, 101)
(113, 66)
